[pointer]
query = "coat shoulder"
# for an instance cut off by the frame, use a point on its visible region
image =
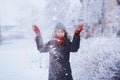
(51, 42)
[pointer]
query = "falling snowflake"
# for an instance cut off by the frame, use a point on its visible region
(66, 74)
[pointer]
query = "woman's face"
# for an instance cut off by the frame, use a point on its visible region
(60, 33)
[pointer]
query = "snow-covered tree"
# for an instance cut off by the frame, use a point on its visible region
(101, 17)
(56, 10)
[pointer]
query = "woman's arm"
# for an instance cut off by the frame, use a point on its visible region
(39, 42)
(40, 46)
(75, 44)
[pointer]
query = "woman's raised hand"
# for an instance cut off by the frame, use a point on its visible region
(36, 30)
(79, 29)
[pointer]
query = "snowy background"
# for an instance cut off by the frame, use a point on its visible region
(98, 57)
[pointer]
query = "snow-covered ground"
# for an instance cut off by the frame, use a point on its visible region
(95, 60)
(18, 61)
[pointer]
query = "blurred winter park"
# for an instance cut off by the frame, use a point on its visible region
(98, 57)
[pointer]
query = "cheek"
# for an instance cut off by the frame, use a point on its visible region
(60, 34)
(63, 34)
(57, 34)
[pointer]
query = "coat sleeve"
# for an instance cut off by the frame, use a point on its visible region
(75, 44)
(40, 46)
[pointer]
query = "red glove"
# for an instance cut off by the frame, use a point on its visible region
(79, 29)
(36, 30)
(59, 41)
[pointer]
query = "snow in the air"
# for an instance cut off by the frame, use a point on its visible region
(97, 59)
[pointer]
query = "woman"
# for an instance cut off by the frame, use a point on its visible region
(59, 49)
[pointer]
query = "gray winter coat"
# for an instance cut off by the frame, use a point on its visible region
(59, 65)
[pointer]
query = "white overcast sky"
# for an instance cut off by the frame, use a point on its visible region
(10, 9)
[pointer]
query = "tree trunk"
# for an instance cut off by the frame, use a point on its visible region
(118, 1)
(118, 34)
(0, 32)
(0, 36)
(103, 17)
